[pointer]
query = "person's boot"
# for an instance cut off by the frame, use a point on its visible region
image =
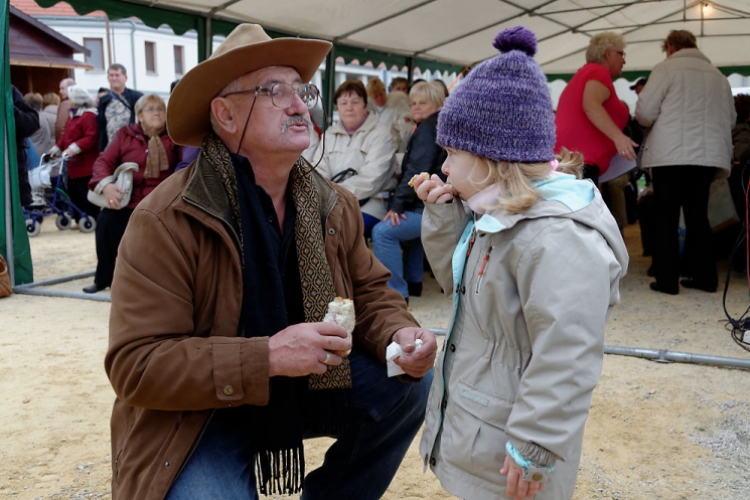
(93, 288)
(415, 289)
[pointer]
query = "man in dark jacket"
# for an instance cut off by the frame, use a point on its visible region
(27, 122)
(116, 107)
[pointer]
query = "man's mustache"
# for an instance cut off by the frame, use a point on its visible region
(296, 119)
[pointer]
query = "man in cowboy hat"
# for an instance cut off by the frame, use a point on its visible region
(217, 353)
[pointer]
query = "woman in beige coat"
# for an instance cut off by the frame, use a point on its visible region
(358, 153)
(534, 266)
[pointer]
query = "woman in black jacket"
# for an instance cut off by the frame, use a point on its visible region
(402, 225)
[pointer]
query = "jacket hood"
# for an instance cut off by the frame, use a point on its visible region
(564, 196)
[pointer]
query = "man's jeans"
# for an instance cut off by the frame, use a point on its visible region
(385, 417)
(386, 245)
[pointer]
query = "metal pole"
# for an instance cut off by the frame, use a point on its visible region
(329, 85)
(661, 355)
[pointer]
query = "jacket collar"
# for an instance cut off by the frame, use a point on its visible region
(690, 53)
(370, 123)
(565, 195)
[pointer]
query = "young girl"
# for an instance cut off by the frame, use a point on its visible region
(535, 268)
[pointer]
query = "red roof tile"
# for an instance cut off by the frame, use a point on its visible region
(31, 8)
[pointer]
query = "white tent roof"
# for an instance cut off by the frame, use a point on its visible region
(461, 31)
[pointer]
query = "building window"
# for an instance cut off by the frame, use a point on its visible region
(179, 68)
(151, 57)
(96, 48)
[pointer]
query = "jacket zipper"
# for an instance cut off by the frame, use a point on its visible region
(482, 270)
(192, 448)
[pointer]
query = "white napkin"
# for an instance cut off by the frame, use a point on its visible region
(392, 352)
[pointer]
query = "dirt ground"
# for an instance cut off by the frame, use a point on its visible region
(656, 431)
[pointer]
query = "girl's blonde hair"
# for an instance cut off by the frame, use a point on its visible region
(516, 179)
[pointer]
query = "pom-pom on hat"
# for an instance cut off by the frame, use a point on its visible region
(502, 110)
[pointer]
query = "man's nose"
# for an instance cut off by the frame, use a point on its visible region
(298, 106)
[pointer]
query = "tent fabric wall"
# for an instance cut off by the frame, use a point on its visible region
(14, 242)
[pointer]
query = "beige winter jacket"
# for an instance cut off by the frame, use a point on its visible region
(370, 153)
(689, 106)
(525, 349)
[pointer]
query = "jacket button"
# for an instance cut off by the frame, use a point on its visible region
(453, 347)
(228, 390)
(445, 403)
(331, 232)
(433, 462)
(167, 464)
(463, 290)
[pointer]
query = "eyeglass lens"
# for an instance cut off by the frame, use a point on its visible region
(282, 94)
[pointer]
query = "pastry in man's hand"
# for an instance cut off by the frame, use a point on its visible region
(341, 312)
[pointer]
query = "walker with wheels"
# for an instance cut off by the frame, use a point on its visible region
(49, 197)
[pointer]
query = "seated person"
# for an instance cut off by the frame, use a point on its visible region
(358, 153)
(403, 222)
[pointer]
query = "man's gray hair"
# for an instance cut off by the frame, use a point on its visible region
(599, 44)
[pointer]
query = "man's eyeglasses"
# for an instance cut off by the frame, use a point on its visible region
(282, 94)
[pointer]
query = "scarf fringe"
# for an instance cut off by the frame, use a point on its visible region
(280, 472)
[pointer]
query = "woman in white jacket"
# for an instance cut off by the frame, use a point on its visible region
(534, 267)
(358, 153)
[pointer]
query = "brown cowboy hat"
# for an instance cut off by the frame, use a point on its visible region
(246, 49)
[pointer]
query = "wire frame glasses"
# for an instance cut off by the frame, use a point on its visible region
(282, 94)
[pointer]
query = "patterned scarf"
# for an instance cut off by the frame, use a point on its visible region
(156, 157)
(278, 426)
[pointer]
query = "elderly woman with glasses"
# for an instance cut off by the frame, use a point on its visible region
(590, 117)
(358, 153)
(147, 144)
(402, 225)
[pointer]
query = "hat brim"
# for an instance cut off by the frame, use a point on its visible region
(188, 111)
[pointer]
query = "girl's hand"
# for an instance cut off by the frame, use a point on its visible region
(394, 217)
(516, 487)
(433, 190)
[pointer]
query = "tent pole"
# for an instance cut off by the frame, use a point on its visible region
(209, 38)
(410, 70)
(329, 85)
(8, 214)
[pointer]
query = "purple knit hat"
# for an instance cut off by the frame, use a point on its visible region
(502, 110)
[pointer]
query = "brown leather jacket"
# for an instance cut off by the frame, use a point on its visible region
(174, 355)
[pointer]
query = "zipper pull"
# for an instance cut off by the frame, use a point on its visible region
(482, 269)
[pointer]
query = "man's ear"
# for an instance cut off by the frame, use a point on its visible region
(222, 115)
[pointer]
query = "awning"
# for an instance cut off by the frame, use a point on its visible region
(451, 34)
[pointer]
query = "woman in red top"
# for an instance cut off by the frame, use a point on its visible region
(147, 144)
(79, 141)
(590, 117)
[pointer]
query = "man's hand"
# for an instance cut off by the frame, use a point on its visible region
(416, 362)
(516, 487)
(305, 348)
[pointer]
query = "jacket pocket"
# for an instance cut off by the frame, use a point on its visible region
(474, 436)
